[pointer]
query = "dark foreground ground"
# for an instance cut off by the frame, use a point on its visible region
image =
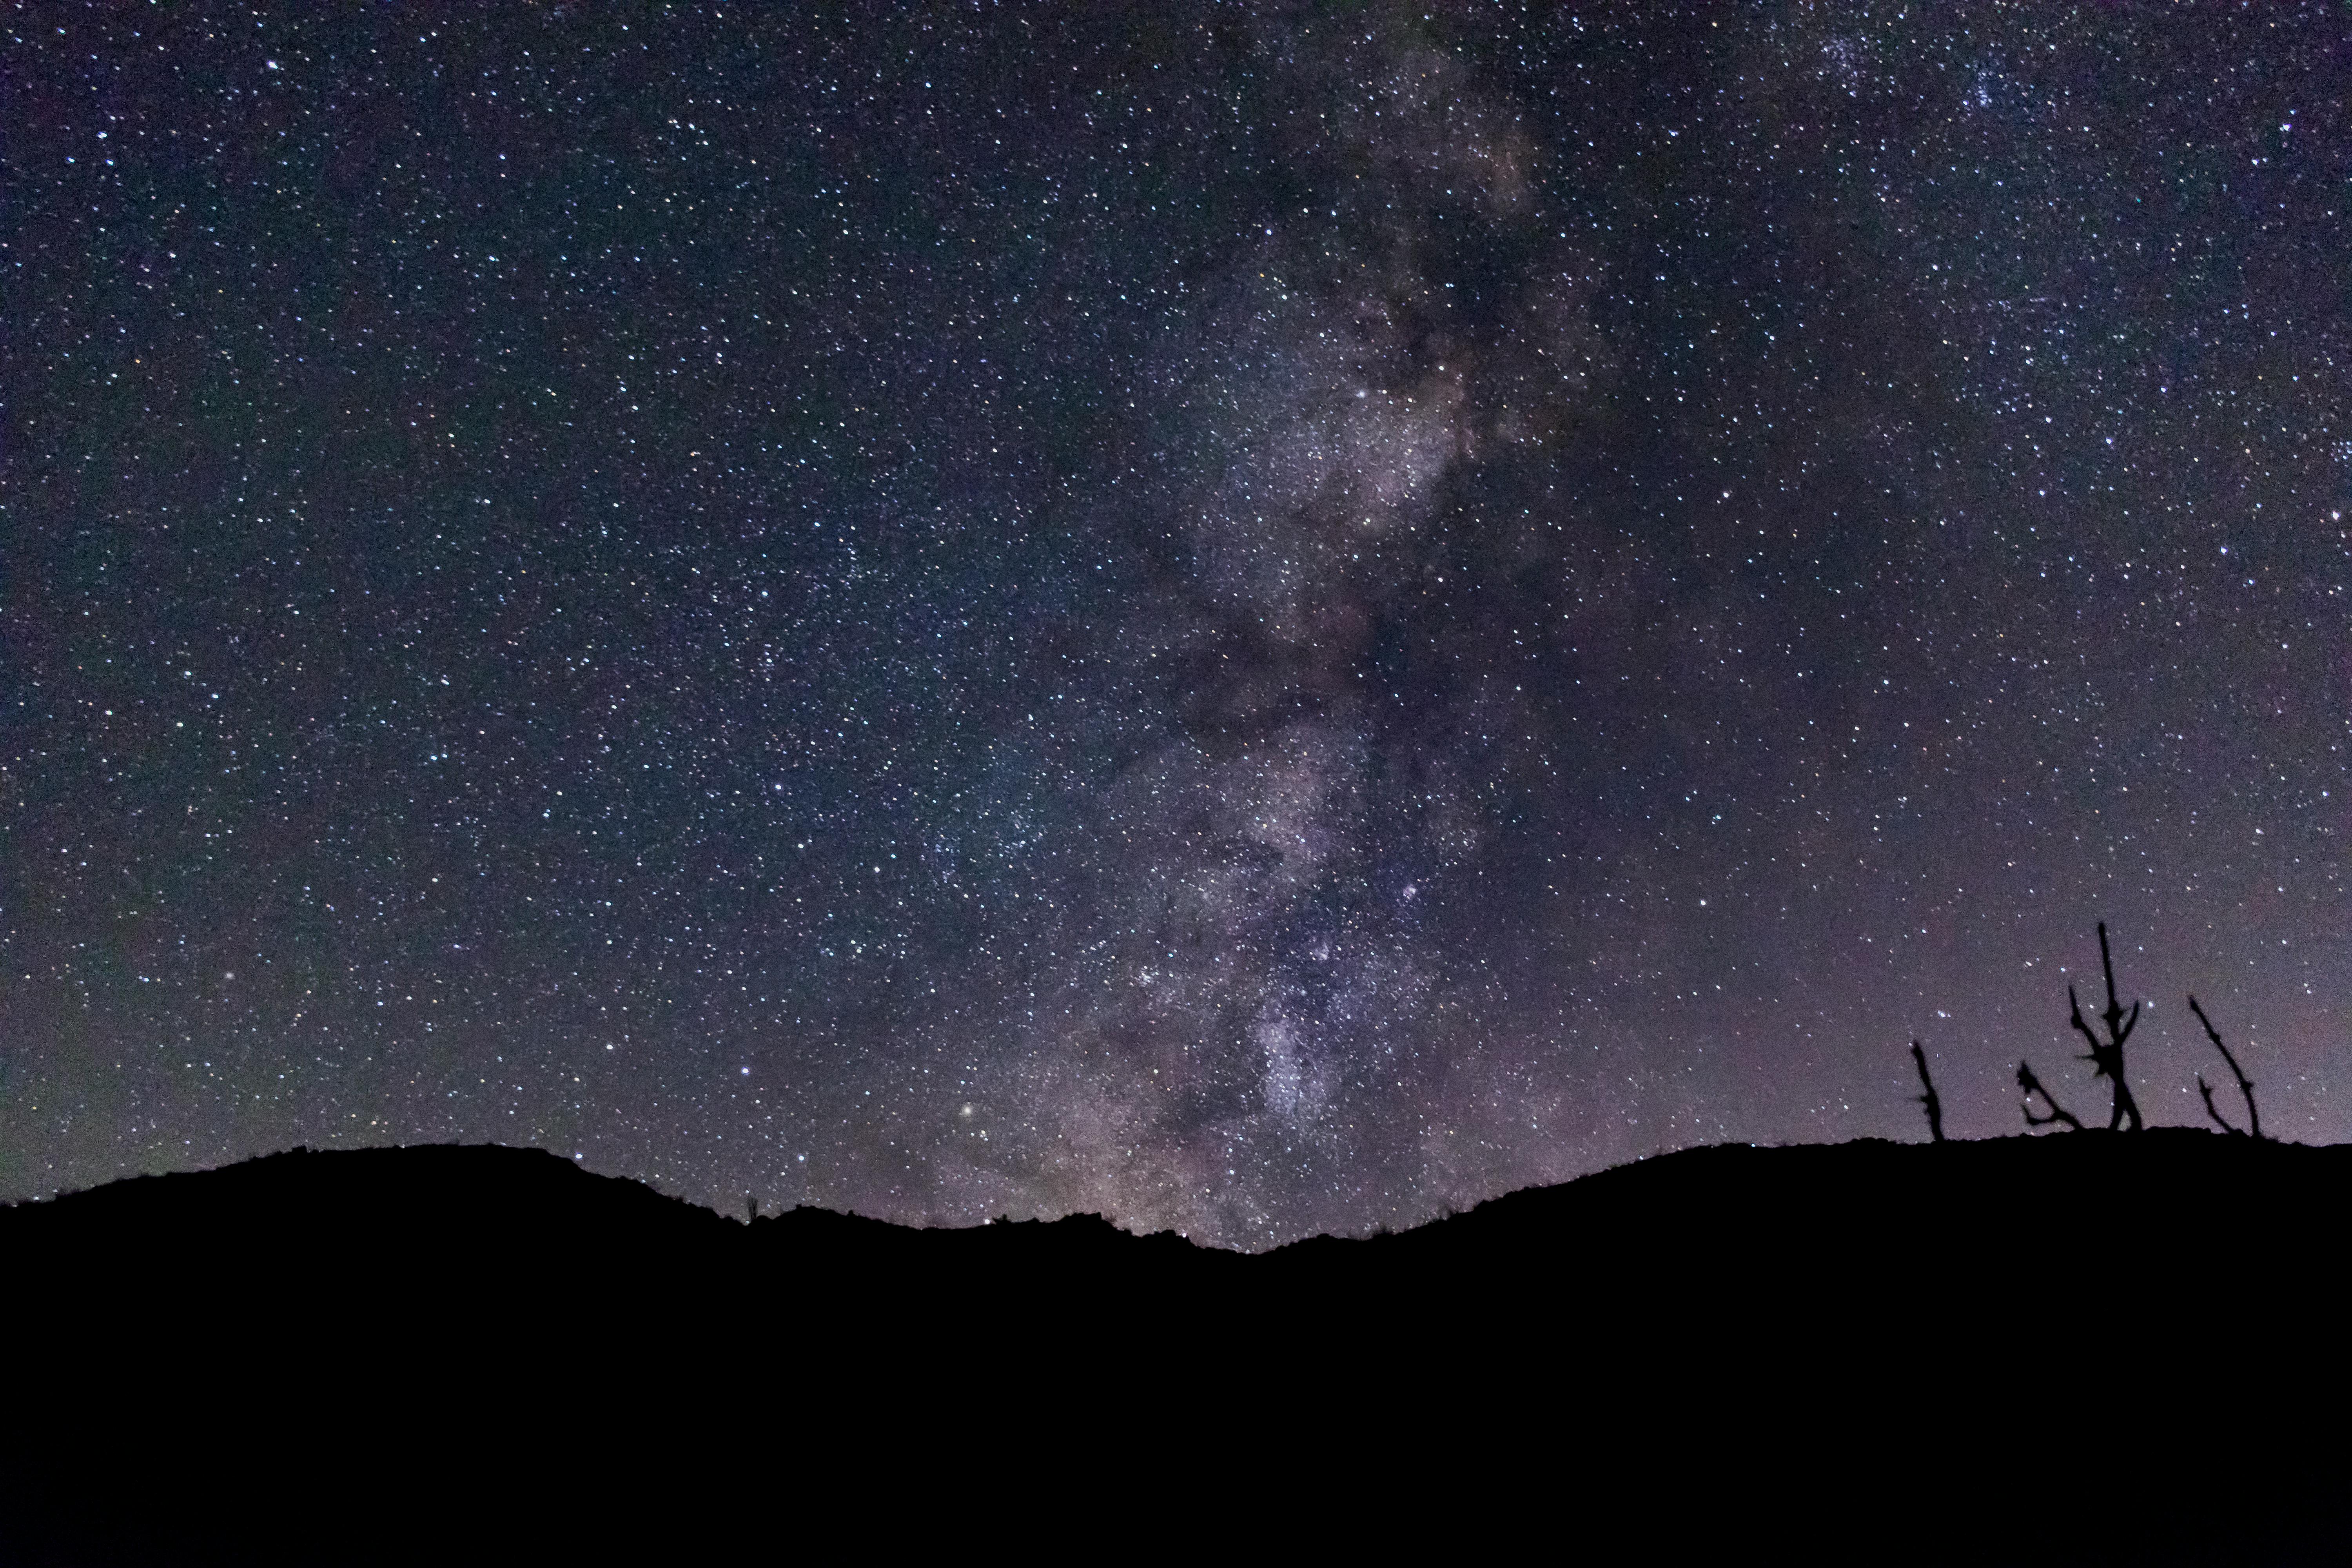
(2087, 1348)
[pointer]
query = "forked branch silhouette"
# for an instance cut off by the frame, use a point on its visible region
(2032, 1086)
(2245, 1084)
(2107, 1057)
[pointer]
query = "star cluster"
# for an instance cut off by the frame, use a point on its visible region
(1260, 618)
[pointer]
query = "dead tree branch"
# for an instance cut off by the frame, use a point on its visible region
(2032, 1086)
(2107, 1057)
(2219, 1120)
(2245, 1084)
(1934, 1106)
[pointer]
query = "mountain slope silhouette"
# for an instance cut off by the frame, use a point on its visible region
(2082, 1347)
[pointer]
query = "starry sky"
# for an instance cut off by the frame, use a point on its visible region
(1255, 617)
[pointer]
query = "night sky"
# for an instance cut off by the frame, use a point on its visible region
(1259, 619)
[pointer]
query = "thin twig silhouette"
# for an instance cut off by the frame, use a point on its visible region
(2245, 1084)
(2032, 1086)
(1934, 1106)
(2107, 1057)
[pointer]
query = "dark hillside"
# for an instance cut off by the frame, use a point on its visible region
(2177, 1219)
(2003, 1330)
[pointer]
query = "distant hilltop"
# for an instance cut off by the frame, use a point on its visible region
(1865, 1215)
(2081, 1348)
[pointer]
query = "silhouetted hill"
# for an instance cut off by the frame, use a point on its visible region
(1997, 1331)
(2178, 1215)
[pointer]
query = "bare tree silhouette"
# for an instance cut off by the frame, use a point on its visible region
(2107, 1057)
(2245, 1084)
(1933, 1107)
(2032, 1086)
